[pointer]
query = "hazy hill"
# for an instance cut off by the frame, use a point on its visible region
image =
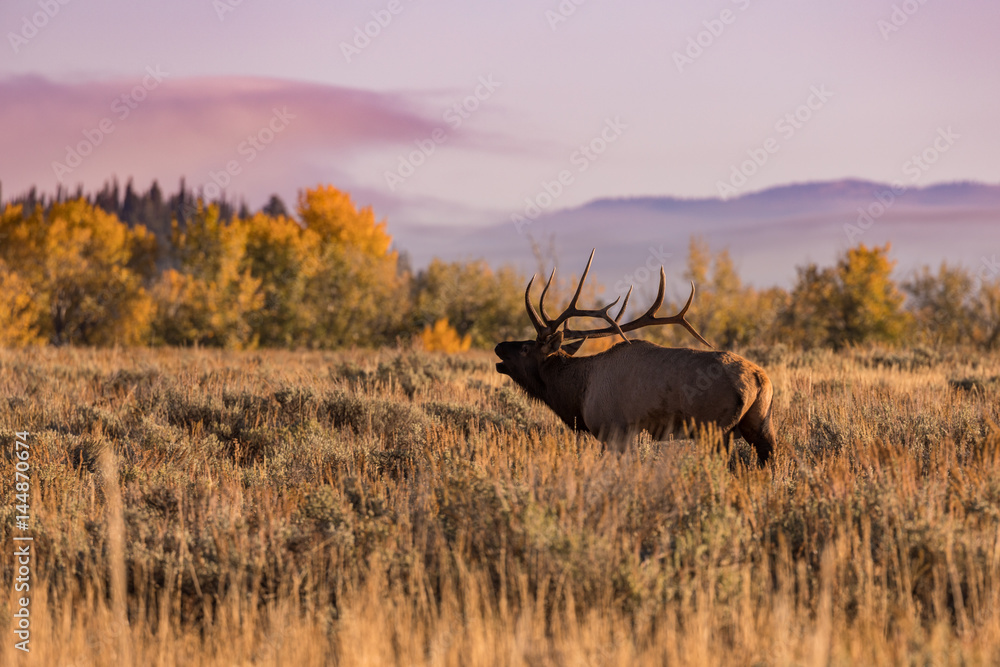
(768, 233)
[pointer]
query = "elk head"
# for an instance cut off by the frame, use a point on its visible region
(523, 360)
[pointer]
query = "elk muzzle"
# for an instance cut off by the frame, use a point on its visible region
(499, 351)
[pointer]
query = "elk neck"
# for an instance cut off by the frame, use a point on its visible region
(564, 386)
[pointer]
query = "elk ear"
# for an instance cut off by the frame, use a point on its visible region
(574, 347)
(552, 344)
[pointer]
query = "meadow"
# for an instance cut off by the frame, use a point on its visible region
(203, 507)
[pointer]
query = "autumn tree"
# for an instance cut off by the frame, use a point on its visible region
(212, 298)
(808, 317)
(356, 296)
(332, 215)
(854, 302)
(285, 258)
(442, 337)
(485, 304)
(85, 269)
(20, 316)
(869, 302)
(724, 305)
(954, 307)
(986, 314)
(327, 280)
(943, 304)
(726, 312)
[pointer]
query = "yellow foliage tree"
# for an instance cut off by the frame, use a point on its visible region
(86, 269)
(442, 337)
(327, 281)
(332, 215)
(356, 295)
(213, 299)
(854, 302)
(869, 304)
(285, 258)
(19, 312)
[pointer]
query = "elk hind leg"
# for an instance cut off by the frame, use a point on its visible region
(755, 425)
(756, 428)
(616, 438)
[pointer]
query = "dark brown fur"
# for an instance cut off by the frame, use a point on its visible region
(641, 386)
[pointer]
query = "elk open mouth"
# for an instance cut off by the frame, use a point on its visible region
(501, 368)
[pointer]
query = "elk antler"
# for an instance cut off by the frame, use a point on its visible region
(545, 326)
(646, 319)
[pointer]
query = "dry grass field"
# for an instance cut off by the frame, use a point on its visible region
(392, 507)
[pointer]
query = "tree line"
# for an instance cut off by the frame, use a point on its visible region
(73, 271)
(855, 301)
(145, 269)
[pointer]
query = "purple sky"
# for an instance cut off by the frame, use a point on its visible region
(279, 73)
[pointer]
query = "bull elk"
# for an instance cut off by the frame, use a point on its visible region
(637, 385)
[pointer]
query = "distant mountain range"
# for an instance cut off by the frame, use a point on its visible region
(768, 233)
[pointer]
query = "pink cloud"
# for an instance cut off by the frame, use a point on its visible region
(281, 134)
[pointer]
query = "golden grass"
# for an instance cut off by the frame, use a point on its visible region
(392, 507)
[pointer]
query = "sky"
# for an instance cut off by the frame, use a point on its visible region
(460, 113)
